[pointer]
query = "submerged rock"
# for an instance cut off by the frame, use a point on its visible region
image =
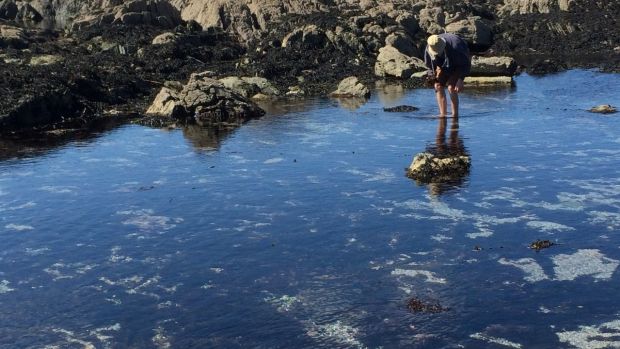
(489, 81)
(401, 109)
(351, 87)
(205, 101)
(603, 109)
(428, 168)
(541, 244)
(416, 305)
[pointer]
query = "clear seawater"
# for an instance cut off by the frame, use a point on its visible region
(300, 229)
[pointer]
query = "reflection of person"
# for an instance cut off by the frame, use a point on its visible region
(449, 62)
(454, 146)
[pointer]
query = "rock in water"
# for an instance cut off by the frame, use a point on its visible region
(205, 101)
(351, 87)
(428, 168)
(400, 109)
(603, 109)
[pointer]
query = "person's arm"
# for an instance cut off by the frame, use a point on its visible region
(429, 64)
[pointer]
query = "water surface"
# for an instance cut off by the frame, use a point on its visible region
(300, 229)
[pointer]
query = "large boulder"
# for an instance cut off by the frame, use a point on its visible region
(205, 101)
(351, 87)
(391, 62)
(310, 37)
(8, 9)
(13, 37)
(474, 30)
(432, 20)
(493, 66)
(403, 43)
(137, 12)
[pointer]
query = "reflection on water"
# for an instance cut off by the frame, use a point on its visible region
(453, 147)
(390, 94)
(300, 230)
(351, 103)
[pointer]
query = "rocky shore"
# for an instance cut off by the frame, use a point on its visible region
(66, 64)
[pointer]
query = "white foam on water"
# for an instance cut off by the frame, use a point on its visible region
(611, 220)
(584, 263)
(440, 237)
(4, 287)
(547, 227)
(273, 161)
(533, 271)
(482, 232)
(429, 275)
(29, 204)
(284, 303)
(60, 270)
(145, 219)
(36, 251)
(161, 339)
(496, 340)
(593, 337)
(337, 332)
(58, 189)
(18, 227)
(115, 257)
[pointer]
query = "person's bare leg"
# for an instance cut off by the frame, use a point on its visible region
(454, 100)
(441, 100)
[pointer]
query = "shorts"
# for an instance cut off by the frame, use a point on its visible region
(446, 78)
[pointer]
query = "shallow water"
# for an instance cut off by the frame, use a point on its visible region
(301, 230)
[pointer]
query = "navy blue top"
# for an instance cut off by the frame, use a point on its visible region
(456, 57)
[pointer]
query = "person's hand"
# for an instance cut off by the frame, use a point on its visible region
(459, 86)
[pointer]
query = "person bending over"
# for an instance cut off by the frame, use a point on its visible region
(449, 62)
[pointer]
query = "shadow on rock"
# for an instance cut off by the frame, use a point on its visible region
(444, 165)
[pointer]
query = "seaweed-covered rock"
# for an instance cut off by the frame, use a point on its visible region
(604, 109)
(428, 168)
(400, 109)
(351, 87)
(205, 101)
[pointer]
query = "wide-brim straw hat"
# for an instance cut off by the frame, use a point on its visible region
(435, 45)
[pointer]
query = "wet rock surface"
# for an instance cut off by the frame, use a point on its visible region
(416, 305)
(604, 109)
(429, 168)
(116, 55)
(400, 109)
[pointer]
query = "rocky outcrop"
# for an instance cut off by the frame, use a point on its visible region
(13, 37)
(137, 12)
(243, 17)
(43, 109)
(351, 87)
(403, 43)
(203, 100)
(493, 66)
(393, 63)
(512, 7)
(428, 168)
